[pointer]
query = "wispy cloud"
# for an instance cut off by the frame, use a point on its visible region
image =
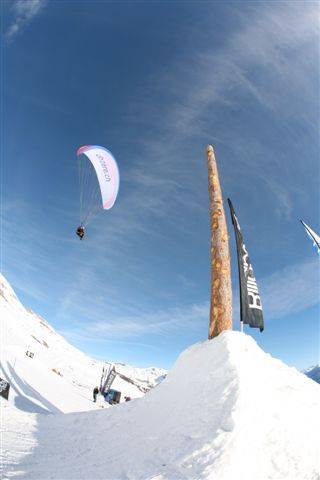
(288, 291)
(266, 56)
(267, 59)
(139, 324)
(24, 11)
(291, 290)
(267, 39)
(28, 251)
(153, 323)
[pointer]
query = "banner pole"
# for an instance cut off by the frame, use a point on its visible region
(220, 290)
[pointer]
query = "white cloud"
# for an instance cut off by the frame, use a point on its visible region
(271, 40)
(268, 57)
(287, 291)
(160, 322)
(291, 290)
(139, 323)
(24, 12)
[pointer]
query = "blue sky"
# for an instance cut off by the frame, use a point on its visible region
(155, 82)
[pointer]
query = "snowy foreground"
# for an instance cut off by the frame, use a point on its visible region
(226, 411)
(59, 377)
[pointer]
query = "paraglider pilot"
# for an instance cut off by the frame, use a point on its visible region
(80, 231)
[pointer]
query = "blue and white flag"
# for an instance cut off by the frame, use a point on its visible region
(314, 237)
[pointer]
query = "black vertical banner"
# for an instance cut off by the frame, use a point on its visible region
(250, 302)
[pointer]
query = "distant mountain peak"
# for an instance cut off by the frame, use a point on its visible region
(313, 372)
(47, 372)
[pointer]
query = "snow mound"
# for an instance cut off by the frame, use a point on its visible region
(226, 411)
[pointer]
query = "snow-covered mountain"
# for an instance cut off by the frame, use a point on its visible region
(226, 411)
(55, 376)
(313, 373)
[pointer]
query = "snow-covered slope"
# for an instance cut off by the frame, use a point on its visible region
(226, 411)
(59, 377)
(313, 373)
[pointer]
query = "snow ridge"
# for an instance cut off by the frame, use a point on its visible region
(56, 377)
(226, 410)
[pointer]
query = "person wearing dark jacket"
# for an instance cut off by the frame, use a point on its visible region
(95, 393)
(80, 231)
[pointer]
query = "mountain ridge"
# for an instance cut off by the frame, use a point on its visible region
(27, 333)
(313, 372)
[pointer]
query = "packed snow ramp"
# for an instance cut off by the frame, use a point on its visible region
(227, 410)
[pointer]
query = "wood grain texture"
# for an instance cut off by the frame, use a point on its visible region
(221, 290)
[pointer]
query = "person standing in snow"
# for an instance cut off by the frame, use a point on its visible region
(95, 393)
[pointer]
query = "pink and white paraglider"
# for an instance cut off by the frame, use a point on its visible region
(99, 182)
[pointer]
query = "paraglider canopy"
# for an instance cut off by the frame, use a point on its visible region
(107, 172)
(99, 180)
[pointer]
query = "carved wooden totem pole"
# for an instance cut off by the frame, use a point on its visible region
(221, 292)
